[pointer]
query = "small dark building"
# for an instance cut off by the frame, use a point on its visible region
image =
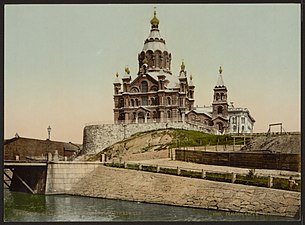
(28, 148)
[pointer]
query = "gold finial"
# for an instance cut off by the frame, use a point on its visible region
(182, 66)
(127, 70)
(220, 70)
(154, 21)
(117, 74)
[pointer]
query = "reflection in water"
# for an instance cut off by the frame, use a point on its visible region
(27, 207)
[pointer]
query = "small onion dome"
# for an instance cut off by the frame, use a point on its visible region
(191, 81)
(127, 70)
(182, 66)
(117, 81)
(154, 21)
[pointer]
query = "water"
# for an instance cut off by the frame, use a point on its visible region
(23, 207)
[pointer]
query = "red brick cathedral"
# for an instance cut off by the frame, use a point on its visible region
(155, 95)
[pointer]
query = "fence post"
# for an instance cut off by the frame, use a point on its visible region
(49, 156)
(140, 166)
(233, 177)
(125, 165)
(203, 174)
(158, 168)
(270, 181)
(178, 170)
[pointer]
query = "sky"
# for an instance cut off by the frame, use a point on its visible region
(61, 61)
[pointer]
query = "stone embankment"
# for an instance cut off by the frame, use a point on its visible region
(115, 183)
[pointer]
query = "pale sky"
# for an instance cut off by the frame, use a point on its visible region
(61, 60)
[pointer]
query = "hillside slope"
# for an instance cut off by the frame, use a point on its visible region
(156, 144)
(275, 144)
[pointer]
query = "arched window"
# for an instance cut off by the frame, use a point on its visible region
(234, 128)
(137, 102)
(168, 100)
(121, 102)
(217, 96)
(132, 102)
(168, 114)
(222, 96)
(219, 110)
(155, 115)
(144, 86)
(144, 100)
(134, 90)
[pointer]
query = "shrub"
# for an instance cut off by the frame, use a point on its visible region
(255, 181)
(193, 174)
(133, 166)
(168, 171)
(149, 168)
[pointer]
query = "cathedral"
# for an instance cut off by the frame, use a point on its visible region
(158, 96)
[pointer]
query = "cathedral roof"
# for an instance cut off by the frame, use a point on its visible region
(171, 81)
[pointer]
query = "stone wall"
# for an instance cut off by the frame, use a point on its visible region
(260, 160)
(98, 137)
(62, 175)
(115, 183)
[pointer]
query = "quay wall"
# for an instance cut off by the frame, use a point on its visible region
(98, 137)
(132, 185)
(62, 175)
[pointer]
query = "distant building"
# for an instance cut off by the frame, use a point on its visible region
(156, 95)
(30, 149)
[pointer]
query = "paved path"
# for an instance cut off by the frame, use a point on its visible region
(213, 168)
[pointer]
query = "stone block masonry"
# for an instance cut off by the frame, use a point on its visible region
(98, 137)
(62, 175)
(122, 184)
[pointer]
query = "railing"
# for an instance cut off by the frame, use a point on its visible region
(276, 182)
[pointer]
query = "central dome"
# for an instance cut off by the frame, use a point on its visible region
(154, 50)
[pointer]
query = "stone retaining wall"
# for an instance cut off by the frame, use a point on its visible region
(255, 160)
(115, 183)
(98, 137)
(62, 175)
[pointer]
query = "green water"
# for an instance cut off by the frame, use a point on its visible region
(23, 207)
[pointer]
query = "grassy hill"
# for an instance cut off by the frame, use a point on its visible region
(155, 144)
(159, 140)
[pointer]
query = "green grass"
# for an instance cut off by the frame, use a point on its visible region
(193, 174)
(223, 177)
(255, 181)
(117, 165)
(149, 168)
(168, 171)
(282, 183)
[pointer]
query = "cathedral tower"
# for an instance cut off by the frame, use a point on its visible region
(154, 51)
(220, 105)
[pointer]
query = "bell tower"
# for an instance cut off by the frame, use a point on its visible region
(220, 105)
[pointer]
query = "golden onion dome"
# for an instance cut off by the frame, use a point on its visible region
(154, 21)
